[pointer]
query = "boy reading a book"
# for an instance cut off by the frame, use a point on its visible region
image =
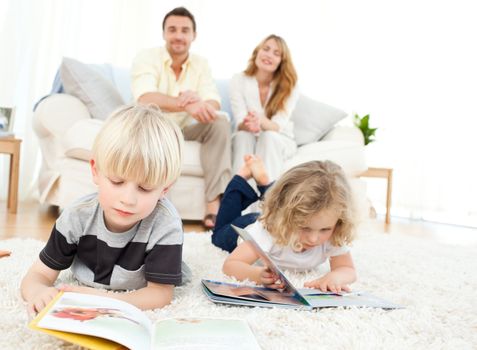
(127, 235)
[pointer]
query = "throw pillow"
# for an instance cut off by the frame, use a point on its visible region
(95, 91)
(313, 119)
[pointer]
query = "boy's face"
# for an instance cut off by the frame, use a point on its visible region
(124, 202)
(318, 229)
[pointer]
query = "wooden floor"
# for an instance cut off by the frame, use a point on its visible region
(35, 221)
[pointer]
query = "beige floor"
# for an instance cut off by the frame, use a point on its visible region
(35, 221)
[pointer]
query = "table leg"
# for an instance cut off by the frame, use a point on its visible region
(388, 196)
(12, 201)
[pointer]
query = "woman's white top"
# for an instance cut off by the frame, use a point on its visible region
(286, 257)
(245, 97)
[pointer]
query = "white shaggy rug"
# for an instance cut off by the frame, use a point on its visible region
(437, 284)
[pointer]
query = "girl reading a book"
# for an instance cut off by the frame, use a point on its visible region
(307, 219)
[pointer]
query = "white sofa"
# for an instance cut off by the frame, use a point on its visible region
(66, 130)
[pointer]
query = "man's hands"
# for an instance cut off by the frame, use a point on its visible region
(200, 110)
(332, 282)
(187, 97)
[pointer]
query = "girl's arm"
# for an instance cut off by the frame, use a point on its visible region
(341, 275)
(37, 286)
(239, 265)
(153, 296)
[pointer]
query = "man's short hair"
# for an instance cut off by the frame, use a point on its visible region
(182, 12)
(138, 143)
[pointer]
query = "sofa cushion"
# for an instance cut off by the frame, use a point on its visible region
(94, 90)
(349, 155)
(191, 165)
(78, 140)
(313, 119)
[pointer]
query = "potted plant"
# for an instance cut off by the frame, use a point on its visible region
(362, 123)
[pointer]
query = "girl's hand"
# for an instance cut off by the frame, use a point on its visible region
(270, 279)
(41, 299)
(329, 282)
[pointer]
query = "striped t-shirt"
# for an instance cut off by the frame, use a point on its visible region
(149, 251)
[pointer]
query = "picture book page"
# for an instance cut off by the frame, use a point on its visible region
(318, 299)
(258, 294)
(99, 316)
(289, 288)
(203, 333)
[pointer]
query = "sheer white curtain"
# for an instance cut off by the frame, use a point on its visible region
(410, 64)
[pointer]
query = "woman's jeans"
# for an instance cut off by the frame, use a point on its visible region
(237, 197)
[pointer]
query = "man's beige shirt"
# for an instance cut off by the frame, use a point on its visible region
(151, 72)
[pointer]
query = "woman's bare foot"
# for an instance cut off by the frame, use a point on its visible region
(259, 173)
(245, 170)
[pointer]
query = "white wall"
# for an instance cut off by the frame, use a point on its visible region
(410, 64)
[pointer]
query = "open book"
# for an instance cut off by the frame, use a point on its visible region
(289, 296)
(98, 322)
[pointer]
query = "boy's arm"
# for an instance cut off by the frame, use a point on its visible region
(342, 273)
(153, 296)
(37, 286)
(239, 265)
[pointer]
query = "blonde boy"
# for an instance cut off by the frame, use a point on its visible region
(127, 235)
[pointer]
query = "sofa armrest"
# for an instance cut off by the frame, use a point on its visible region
(78, 140)
(56, 113)
(344, 133)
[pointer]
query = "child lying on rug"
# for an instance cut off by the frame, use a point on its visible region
(128, 235)
(307, 219)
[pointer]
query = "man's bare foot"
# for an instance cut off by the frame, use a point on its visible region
(211, 213)
(4, 253)
(259, 173)
(245, 170)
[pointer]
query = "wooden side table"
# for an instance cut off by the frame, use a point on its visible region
(384, 173)
(11, 146)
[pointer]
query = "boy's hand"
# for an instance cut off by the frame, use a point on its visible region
(270, 279)
(329, 282)
(80, 289)
(40, 300)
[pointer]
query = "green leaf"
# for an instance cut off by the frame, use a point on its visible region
(363, 124)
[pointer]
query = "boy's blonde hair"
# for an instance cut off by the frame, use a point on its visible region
(302, 192)
(138, 143)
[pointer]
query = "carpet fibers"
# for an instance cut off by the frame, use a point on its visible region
(436, 283)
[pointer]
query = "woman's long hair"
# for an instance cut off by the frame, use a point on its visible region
(284, 78)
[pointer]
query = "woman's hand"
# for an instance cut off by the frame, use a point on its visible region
(251, 122)
(267, 124)
(330, 282)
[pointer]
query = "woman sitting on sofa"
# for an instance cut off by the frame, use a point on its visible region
(262, 99)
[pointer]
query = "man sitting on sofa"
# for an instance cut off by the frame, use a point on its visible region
(181, 84)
